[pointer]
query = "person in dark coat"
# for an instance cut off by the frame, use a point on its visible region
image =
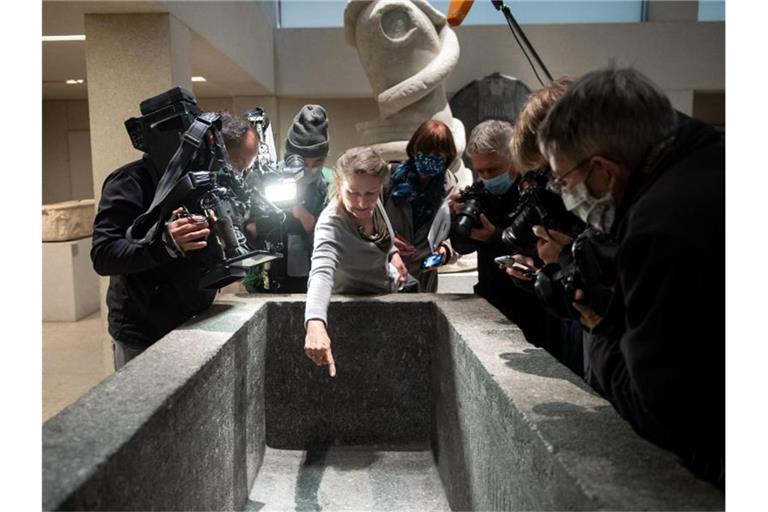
(628, 165)
(154, 287)
(488, 149)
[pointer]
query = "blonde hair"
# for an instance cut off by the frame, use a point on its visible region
(361, 160)
(524, 145)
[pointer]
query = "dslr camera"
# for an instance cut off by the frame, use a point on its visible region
(538, 206)
(590, 266)
(186, 145)
(474, 200)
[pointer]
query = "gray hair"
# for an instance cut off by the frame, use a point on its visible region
(491, 137)
(361, 160)
(616, 113)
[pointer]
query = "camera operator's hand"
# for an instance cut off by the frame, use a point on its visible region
(550, 243)
(404, 246)
(484, 233)
(589, 318)
(302, 215)
(517, 273)
(317, 346)
(402, 270)
(189, 233)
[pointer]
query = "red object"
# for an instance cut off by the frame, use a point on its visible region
(457, 11)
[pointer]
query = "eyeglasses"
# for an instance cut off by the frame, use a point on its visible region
(556, 183)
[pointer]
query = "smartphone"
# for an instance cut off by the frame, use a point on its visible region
(509, 262)
(432, 260)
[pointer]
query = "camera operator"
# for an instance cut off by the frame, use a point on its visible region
(654, 181)
(307, 138)
(489, 152)
(241, 140)
(153, 288)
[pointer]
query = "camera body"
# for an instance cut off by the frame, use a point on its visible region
(164, 119)
(590, 266)
(474, 200)
(538, 206)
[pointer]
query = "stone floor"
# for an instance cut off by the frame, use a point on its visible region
(347, 478)
(74, 361)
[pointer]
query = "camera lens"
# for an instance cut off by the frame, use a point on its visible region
(467, 218)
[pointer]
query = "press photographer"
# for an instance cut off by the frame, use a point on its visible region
(653, 181)
(166, 227)
(480, 215)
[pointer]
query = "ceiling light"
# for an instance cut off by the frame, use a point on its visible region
(64, 38)
(75, 81)
(199, 79)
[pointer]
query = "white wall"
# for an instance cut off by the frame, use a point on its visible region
(679, 56)
(66, 148)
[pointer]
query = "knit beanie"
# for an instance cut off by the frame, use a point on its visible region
(308, 136)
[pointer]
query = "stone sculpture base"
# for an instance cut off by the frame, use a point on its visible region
(69, 220)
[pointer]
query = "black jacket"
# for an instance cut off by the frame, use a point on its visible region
(659, 355)
(150, 293)
(498, 288)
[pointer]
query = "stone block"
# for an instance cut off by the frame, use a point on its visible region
(70, 285)
(69, 220)
(185, 426)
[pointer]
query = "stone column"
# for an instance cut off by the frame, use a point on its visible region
(129, 57)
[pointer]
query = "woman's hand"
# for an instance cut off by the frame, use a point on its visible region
(317, 346)
(402, 270)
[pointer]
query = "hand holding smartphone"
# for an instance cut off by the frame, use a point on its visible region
(510, 262)
(431, 261)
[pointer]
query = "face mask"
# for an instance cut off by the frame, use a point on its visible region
(428, 165)
(499, 184)
(597, 212)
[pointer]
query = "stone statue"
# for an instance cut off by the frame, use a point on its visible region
(407, 50)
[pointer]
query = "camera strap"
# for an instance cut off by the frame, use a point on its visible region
(175, 183)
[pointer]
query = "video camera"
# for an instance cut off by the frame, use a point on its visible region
(538, 206)
(187, 145)
(590, 266)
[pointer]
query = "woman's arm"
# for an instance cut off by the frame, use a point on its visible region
(325, 259)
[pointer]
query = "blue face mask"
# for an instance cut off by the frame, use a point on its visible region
(428, 165)
(499, 184)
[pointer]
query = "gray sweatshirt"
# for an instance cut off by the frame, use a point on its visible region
(342, 262)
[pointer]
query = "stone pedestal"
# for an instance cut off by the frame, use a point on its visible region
(70, 286)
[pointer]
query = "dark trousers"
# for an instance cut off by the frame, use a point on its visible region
(123, 352)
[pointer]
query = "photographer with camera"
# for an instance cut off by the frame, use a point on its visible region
(354, 249)
(534, 228)
(154, 287)
(481, 213)
(306, 149)
(417, 189)
(653, 182)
